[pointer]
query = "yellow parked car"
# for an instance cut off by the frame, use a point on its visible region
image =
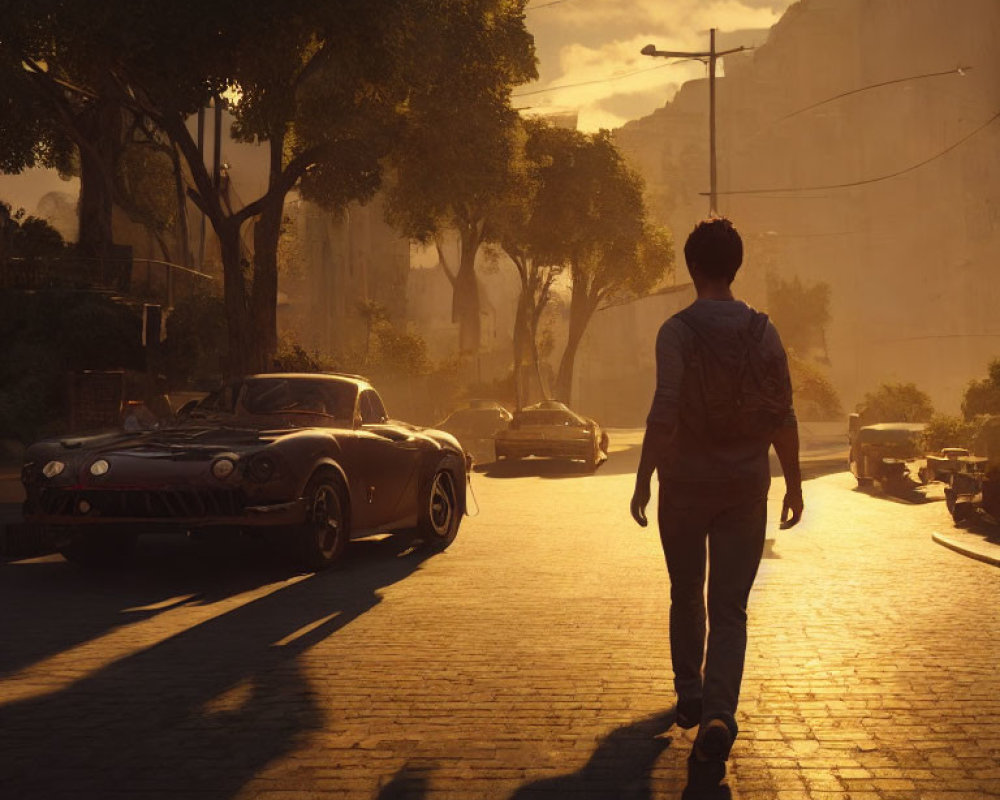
(551, 430)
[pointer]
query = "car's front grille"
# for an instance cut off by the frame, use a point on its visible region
(143, 503)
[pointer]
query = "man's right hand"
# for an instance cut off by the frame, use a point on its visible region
(791, 509)
(640, 499)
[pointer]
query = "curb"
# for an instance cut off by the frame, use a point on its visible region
(970, 552)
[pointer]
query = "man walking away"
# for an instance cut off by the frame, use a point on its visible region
(723, 396)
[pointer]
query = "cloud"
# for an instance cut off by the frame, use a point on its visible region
(589, 58)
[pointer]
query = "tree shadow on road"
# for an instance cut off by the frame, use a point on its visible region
(60, 605)
(203, 711)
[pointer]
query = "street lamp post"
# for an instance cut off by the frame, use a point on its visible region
(710, 58)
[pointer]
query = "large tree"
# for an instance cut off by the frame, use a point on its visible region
(323, 87)
(458, 163)
(532, 232)
(589, 214)
(53, 114)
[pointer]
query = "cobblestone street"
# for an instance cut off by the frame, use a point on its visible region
(530, 660)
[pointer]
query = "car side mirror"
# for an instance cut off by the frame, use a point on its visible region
(358, 422)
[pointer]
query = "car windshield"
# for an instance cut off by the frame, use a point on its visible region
(547, 417)
(330, 398)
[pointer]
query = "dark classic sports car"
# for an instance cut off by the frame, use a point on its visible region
(311, 459)
(550, 430)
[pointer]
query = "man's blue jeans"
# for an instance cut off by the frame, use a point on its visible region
(729, 536)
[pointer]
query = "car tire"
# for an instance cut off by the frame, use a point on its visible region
(322, 539)
(960, 512)
(440, 512)
(99, 547)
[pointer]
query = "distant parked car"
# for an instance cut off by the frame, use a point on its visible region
(880, 454)
(941, 466)
(975, 489)
(476, 426)
(312, 460)
(551, 430)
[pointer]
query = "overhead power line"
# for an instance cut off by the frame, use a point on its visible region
(545, 5)
(959, 70)
(867, 181)
(599, 80)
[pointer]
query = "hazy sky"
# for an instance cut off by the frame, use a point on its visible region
(591, 47)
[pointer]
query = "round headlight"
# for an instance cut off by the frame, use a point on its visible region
(99, 467)
(223, 468)
(53, 468)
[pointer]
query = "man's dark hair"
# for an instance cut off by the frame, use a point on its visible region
(714, 250)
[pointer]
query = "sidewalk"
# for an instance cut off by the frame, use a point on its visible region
(980, 541)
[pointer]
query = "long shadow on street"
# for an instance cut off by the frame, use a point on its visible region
(205, 710)
(619, 769)
(56, 605)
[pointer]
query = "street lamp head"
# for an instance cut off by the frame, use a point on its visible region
(649, 50)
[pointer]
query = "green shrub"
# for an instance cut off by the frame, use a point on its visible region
(196, 342)
(944, 430)
(895, 402)
(816, 399)
(47, 336)
(983, 397)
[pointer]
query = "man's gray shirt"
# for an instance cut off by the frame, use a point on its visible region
(695, 466)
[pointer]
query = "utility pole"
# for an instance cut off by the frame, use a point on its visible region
(706, 58)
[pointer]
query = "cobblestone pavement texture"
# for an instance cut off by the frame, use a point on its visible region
(530, 660)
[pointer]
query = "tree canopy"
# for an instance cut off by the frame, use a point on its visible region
(600, 228)
(983, 396)
(459, 157)
(330, 89)
(895, 402)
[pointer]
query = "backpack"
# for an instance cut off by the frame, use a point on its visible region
(733, 389)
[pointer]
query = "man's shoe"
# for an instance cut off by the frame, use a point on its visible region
(688, 712)
(714, 741)
(703, 777)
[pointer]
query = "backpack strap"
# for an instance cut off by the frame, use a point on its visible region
(755, 327)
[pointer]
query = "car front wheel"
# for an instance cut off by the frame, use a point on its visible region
(440, 512)
(323, 538)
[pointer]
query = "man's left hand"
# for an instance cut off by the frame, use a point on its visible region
(791, 510)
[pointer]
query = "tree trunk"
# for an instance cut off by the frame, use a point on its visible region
(536, 361)
(465, 295)
(521, 334)
(264, 294)
(581, 309)
(102, 127)
(183, 235)
(239, 361)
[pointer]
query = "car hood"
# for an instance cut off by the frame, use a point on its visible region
(176, 443)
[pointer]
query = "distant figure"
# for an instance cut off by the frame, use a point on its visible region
(158, 399)
(136, 416)
(723, 396)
